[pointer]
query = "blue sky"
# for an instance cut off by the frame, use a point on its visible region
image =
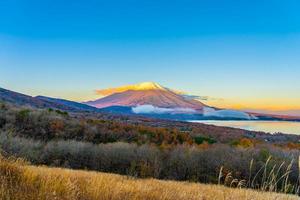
(243, 52)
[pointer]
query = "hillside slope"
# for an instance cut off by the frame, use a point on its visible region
(43, 102)
(71, 104)
(21, 181)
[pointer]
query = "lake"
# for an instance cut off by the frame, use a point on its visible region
(265, 126)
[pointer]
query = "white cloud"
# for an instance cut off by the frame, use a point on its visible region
(207, 112)
(148, 109)
(210, 112)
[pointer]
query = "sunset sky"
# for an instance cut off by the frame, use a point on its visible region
(239, 54)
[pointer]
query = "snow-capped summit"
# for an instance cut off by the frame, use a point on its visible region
(148, 86)
(135, 87)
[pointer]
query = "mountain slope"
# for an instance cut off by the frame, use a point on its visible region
(145, 94)
(22, 99)
(72, 104)
(42, 102)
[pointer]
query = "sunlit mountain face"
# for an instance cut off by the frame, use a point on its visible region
(153, 98)
(147, 93)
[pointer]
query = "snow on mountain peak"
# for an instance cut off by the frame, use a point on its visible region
(148, 86)
(136, 87)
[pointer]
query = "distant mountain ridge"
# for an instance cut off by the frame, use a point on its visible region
(71, 104)
(42, 102)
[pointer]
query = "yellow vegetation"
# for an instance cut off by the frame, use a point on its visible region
(18, 180)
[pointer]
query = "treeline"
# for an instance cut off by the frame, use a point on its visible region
(49, 124)
(46, 125)
(179, 163)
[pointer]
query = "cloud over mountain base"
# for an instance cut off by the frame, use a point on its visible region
(207, 112)
(210, 112)
(150, 109)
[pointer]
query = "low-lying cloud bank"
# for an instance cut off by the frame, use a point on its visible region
(207, 112)
(150, 109)
(210, 112)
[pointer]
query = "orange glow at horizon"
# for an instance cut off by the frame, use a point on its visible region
(271, 104)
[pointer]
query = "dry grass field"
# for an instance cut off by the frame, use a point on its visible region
(21, 181)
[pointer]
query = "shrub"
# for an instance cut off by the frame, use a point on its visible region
(201, 139)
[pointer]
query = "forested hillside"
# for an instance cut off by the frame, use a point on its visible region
(142, 147)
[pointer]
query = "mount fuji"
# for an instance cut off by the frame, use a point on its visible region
(149, 98)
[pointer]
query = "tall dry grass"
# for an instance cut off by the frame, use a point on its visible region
(269, 178)
(18, 180)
